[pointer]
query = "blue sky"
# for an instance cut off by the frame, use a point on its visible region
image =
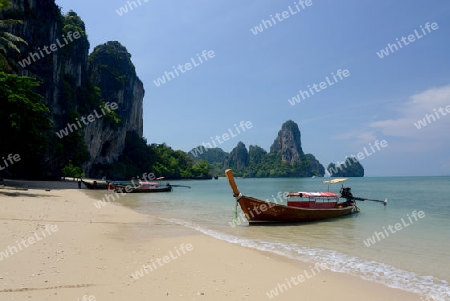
(251, 77)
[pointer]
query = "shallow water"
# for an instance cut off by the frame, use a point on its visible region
(414, 258)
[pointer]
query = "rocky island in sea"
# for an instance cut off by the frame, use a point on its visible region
(286, 158)
(349, 168)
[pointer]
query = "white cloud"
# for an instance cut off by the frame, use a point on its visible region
(402, 127)
(416, 109)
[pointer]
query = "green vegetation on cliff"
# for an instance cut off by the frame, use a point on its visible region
(23, 118)
(138, 157)
(111, 60)
(258, 163)
(9, 43)
(285, 159)
(64, 89)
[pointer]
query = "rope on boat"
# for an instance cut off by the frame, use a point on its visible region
(238, 197)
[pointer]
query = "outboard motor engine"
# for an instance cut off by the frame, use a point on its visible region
(346, 193)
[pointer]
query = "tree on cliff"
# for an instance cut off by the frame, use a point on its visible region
(8, 41)
(23, 118)
(285, 159)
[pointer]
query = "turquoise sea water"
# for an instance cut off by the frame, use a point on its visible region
(414, 258)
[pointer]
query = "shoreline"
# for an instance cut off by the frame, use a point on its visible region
(95, 252)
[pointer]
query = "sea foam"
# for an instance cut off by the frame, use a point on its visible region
(431, 287)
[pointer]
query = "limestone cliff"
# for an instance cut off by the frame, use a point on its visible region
(256, 154)
(349, 168)
(289, 143)
(70, 78)
(238, 158)
(108, 65)
(285, 159)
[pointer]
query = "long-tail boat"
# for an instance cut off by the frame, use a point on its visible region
(96, 184)
(142, 187)
(102, 184)
(310, 206)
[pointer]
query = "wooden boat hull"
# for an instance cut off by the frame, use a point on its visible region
(131, 189)
(152, 190)
(257, 211)
(99, 185)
